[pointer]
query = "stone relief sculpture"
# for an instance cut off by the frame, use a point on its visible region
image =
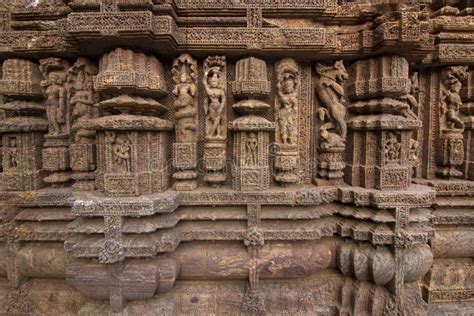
(331, 93)
(56, 157)
(82, 99)
(186, 157)
(332, 115)
(215, 109)
(184, 149)
(286, 117)
(451, 139)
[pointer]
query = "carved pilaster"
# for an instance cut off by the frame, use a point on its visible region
(333, 127)
(450, 144)
(215, 108)
(286, 117)
(82, 99)
(56, 158)
(251, 168)
(186, 115)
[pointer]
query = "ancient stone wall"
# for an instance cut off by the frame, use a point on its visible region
(236, 157)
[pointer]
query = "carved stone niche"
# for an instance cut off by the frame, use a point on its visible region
(251, 167)
(132, 146)
(22, 131)
(379, 134)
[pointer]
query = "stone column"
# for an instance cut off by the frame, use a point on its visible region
(380, 128)
(23, 129)
(251, 167)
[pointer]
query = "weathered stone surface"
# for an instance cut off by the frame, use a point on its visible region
(221, 157)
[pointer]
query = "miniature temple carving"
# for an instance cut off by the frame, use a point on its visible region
(224, 157)
(251, 166)
(23, 129)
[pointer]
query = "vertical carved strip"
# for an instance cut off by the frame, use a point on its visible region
(305, 124)
(287, 104)
(186, 114)
(215, 108)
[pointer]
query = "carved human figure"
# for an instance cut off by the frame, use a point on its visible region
(185, 92)
(216, 102)
(450, 99)
(288, 96)
(251, 145)
(81, 89)
(122, 148)
(13, 153)
(56, 98)
(392, 147)
(410, 98)
(331, 94)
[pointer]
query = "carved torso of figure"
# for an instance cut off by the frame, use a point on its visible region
(453, 102)
(55, 103)
(122, 154)
(392, 148)
(185, 94)
(288, 97)
(216, 103)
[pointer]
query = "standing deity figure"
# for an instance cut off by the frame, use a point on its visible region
(216, 102)
(331, 94)
(392, 147)
(56, 97)
(451, 100)
(287, 87)
(82, 97)
(184, 75)
(54, 71)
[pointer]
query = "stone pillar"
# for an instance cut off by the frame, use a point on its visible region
(132, 146)
(251, 167)
(22, 131)
(186, 115)
(286, 117)
(215, 107)
(380, 128)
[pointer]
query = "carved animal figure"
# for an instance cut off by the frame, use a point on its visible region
(331, 94)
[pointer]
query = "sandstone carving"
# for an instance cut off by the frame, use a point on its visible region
(231, 157)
